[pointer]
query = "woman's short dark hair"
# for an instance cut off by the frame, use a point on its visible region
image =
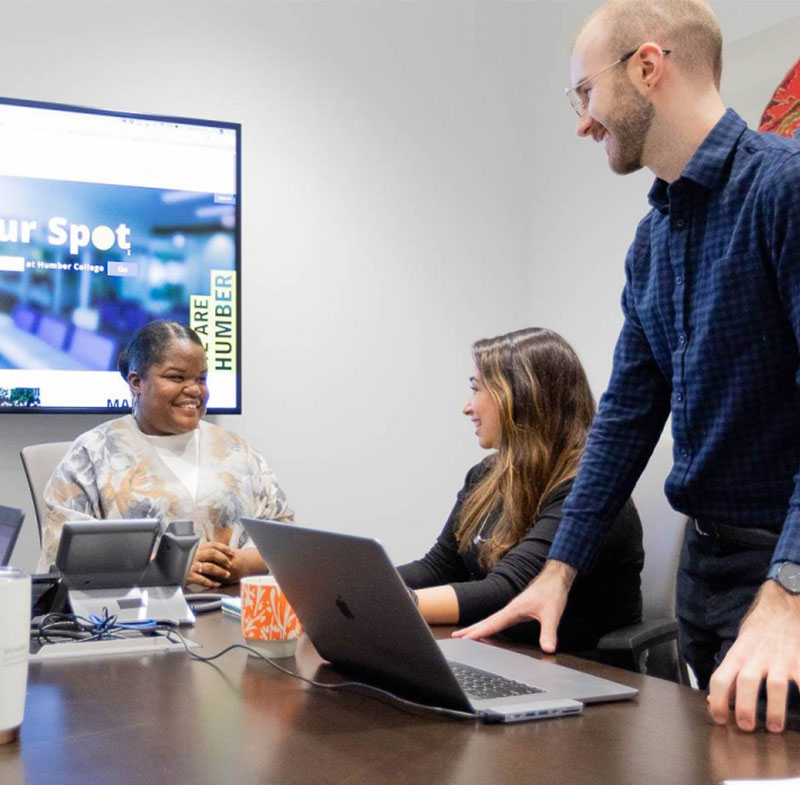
(150, 343)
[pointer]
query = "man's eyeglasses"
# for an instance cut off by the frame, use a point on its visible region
(578, 97)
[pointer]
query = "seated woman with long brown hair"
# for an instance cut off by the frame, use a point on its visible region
(531, 404)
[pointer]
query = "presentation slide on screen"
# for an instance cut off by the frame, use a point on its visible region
(116, 237)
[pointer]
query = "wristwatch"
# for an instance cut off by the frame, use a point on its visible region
(787, 575)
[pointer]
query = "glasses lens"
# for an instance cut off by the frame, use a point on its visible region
(576, 102)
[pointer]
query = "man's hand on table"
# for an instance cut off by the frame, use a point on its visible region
(767, 648)
(544, 601)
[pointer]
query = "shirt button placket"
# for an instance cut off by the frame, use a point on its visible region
(678, 251)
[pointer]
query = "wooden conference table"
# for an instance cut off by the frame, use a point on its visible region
(165, 719)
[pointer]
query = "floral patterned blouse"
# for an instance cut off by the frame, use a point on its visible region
(113, 471)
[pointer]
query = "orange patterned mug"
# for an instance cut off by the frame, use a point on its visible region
(268, 621)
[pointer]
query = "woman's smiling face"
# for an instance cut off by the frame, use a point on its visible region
(171, 398)
(482, 410)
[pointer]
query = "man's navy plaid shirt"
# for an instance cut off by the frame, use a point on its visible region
(711, 331)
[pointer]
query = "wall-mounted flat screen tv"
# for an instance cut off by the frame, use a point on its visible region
(109, 220)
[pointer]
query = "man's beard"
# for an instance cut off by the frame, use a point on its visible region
(629, 132)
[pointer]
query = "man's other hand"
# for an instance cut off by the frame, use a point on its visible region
(767, 648)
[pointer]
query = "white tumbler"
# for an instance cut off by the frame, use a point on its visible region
(15, 624)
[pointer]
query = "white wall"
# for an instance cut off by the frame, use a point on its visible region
(410, 183)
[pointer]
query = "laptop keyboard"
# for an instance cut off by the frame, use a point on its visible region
(482, 685)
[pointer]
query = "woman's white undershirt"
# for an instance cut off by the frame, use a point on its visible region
(181, 454)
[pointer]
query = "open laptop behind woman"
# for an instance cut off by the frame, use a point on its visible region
(164, 461)
(531, 404)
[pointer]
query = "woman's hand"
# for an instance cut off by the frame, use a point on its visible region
(246, 561)
(213, 565)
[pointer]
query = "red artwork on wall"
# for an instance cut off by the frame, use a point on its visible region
(782, 115)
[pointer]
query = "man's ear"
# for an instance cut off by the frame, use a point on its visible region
(646, 67)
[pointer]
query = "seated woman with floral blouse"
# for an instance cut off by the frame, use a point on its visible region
(164, 461)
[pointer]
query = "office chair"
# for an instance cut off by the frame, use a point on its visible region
(651, 646)
(39, 461)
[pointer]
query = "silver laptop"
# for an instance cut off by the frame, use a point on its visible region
(359, 615)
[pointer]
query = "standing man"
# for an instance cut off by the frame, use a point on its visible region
(711, 331)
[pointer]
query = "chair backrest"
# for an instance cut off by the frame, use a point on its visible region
(39, 462)
(663, 535)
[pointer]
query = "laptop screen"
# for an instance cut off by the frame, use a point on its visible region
(10, 524)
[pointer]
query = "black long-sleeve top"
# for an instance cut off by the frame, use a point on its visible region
(605, 596)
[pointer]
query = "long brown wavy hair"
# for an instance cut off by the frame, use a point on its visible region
(545, 410)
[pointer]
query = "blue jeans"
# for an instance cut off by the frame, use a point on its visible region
(717, 582)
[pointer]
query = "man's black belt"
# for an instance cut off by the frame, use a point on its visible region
(744, 535)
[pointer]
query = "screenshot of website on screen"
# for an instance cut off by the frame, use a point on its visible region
(107, 222)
